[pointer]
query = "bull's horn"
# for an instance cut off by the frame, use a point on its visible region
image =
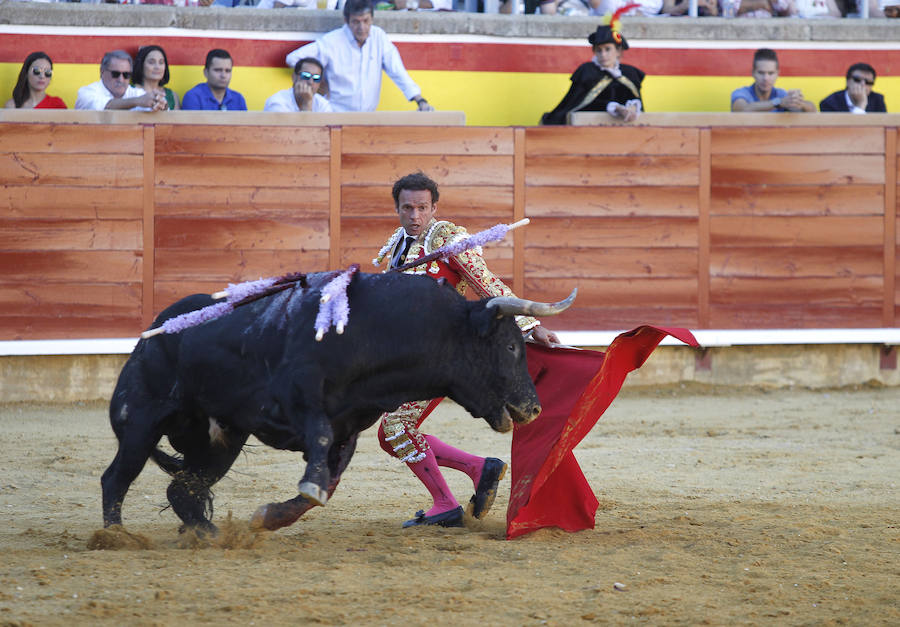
(513, 306)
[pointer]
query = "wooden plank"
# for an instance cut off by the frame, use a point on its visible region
(70, 202)
(273, 203)
(15, 327)
(71, 138)
(70, 234)
(889, 317)
(334, 199)
(189, 139)
(793, 316)
(703, 240)
(619, 292)
(765, 199)
(72, 298)
(591, 263)
(110, 266)
(821, 291)
(148, 227)
(811, 261)
(445, 169)
(613, 232)
(234, 266)
(242, 171)
(619, 318)
(435, 140)
(520, 235)
(611, 140)
(612, 171)
(803, 169)
(846, 142)
(457, 203)
(87, 170)
(568, 201)
(216, 234)
(795, 231)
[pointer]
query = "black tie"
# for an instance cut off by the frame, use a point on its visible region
(400, 258)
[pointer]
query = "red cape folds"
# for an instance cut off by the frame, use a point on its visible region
(575, 387)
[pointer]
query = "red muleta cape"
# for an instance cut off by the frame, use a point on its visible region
(575, 387)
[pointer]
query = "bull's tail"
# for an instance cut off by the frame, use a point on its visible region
(169, 463)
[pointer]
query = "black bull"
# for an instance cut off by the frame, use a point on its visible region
(260, 371)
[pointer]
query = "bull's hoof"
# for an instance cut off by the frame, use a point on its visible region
(277, 515)
(313, 493)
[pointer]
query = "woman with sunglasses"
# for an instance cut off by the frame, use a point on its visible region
(30, 91)
(151, 73)
(304, 95)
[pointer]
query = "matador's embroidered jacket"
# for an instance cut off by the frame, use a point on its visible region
(468, 269)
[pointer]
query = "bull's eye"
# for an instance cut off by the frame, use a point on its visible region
(511, 348)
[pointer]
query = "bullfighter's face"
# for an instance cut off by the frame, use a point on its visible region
(416, 209)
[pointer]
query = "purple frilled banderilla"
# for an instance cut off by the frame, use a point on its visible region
(334, 307)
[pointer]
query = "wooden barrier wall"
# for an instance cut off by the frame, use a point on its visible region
(724, 226)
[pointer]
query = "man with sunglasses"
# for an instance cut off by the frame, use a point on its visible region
(114, 89)
(303, 96)
(214, 94)
(858, 97)
(353, 58)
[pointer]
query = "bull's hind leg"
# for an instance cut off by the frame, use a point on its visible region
(189, 492)
(138, 434)
(277, 515)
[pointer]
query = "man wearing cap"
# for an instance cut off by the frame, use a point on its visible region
(858, 97)
(603, 83)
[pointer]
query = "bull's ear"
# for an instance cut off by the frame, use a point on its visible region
(483, 319)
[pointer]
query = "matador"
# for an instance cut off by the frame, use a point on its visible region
(415, 199)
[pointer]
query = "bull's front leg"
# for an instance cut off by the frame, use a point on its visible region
(318, 439)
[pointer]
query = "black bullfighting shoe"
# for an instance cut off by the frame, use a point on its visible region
(494, 470)
(451, 518)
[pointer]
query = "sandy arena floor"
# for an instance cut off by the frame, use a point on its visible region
(718, 506)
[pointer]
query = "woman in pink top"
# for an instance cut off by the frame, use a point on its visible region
(30, 91)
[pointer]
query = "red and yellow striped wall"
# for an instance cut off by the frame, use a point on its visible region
(496, 81)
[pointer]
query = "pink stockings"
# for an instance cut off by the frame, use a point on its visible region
(441, 454)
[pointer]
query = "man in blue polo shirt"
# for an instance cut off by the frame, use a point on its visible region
(214, 95)
(762, 95)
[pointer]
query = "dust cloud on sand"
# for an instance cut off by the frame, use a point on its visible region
(718, 506)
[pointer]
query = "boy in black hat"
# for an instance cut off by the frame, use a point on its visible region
(603, 84)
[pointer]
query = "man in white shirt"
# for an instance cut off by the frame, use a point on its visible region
(303, 95)
(353, 57)
(113, 90)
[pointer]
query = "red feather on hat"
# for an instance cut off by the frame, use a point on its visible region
(615, 18)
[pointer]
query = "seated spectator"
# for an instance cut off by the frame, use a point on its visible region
(214, 95)
(281, 4)
(113, 90)
(889, 8)
(303, 95)
(705, 8)
(151, 73)
(643, 8)
(759, 8)
(858, 96)
(30, 91)
(762, 95)
(603, 84)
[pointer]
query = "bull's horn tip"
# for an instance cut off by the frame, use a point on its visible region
(319, 336)
(218, 295)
